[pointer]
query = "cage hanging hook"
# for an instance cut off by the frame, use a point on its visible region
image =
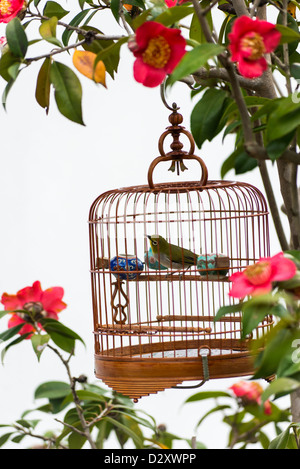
(205, 374)
(174, 106)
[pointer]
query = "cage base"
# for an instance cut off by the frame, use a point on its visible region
(137, 377)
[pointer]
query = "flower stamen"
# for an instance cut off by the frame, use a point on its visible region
(157, 53)
(258, 273)
(255, 43)
(5, 7)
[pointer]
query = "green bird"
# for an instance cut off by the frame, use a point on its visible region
(170, 255)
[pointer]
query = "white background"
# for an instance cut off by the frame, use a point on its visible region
(51, 170)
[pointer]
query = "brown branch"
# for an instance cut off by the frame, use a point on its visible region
(55, 51)
(46, 439)
(84, 424)
(240, 7)
(222, 74)
(78, 30)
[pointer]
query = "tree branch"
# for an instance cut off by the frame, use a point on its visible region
(81, 31)
(240, 7)
(222, 74)
(84, 424)
(27, 432)
(55, 51)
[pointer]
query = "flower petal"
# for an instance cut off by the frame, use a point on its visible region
(252, 68)
(15, 320)
(177, 44)
(16, 6)
(282, 268)
(28, 294)
(147, 75)
(51, 299)
(145, 32)
(271, 40)
(241, 287)
(10, 302)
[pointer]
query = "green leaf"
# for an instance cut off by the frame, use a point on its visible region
(240, 161)
(276, 147)
(278, 344)
(111, 56)
(9, 333)
(85, 396)
(39, 343)
(52, 390)
(3, 313)
(43, 85)
(207, 114)
(280, 386)
(196, 31)
(212, 411)
(174, 14)
(68, 91)
(74, 22)
(253, 315)
(295, 71)
(6, 61)
(244, 163)
(224, 310)
(4, 438)
(281, 441)
(200, 396)
(7, 89)
(284, 119)
(16, 38)
(128, 431)
(11, 344)
(54, 9)
(115, 9)
(48, 31)
(54, 325)
(76, 441)
(193, 60)
(287, 34)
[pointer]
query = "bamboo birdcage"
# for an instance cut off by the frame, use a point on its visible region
(152, 326)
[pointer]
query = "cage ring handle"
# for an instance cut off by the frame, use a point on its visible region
(176, 130)
(172, 157)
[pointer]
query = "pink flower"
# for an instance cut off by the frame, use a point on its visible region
(250, 39)
(35, 304)
(249, 392)
(9, 9)
(174, 3)
(257, 279)
(158, 50)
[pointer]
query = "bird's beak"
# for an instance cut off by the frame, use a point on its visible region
(147, 236)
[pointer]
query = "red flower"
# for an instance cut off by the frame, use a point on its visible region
(249, 392)
(158, 50)
(174, 3)
(257, 279)
(37, 302)
(9, 9)
(250, 39)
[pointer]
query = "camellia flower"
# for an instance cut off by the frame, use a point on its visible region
(158, 50)
(31, 304)
(257, 278)
(250, 39)
(3, 45)
(9, 9)
(249, 392)
(174, 3)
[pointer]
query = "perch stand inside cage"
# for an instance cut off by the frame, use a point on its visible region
(161, 258)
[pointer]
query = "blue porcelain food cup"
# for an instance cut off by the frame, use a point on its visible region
(126, 267)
